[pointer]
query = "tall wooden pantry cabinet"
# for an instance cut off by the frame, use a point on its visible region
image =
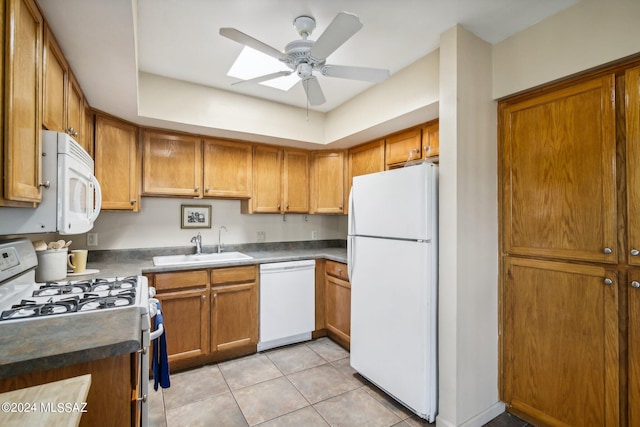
(569, 183)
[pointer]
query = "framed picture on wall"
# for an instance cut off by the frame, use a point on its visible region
(195, 216)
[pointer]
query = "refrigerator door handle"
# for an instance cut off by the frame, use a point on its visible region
(351, 226)
(350, 250)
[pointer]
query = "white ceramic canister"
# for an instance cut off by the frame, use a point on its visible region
(52, 265)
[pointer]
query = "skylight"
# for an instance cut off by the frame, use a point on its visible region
(251, 64)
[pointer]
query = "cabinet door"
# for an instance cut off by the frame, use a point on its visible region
(338, 306)
(267, 179)
(23, 102)
(234, 316)
(560, 342)
(75, 111)
(172, 165)
(56, 75)
(117, 164)
(227, 169)
(632, 87)
(186, 322)
(403, 147)
(558, 183)
(327, 182)
(634, 347)
(88, 128)
(296, 182)
(363, 160)
(430, 140)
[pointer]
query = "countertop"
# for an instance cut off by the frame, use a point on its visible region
(33, 345)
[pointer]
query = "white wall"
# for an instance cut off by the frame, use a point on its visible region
(158, 225)
(586, 35)
(468, 285)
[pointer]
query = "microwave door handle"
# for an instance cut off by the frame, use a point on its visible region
(98, 198)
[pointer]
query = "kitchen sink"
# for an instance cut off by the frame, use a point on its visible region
(160, 261)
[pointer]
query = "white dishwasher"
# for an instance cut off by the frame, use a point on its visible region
(287, 303)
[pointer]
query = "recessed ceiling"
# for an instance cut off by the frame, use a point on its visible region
(107, 43)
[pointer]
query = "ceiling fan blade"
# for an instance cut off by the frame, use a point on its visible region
(242, 38)
(313, 90)
(375, 75)
(343, 26)
(264, 78)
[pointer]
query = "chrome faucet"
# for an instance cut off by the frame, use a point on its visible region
(222, 227)
(198, 241)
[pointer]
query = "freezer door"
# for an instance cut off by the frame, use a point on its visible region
(393, 319)
(400, 203)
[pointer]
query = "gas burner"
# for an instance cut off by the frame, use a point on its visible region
(113, 292)
(28, 308)
(95, 285)
(97, 303)
(52, 288)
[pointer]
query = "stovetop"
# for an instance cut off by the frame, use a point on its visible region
(66, 297)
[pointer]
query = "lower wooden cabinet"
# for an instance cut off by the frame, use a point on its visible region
(234, 308)
(560, 348)
(634, 347)
(110, 401)
(209, 315)
(338, 303)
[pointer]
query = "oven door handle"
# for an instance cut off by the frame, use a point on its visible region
(156, 334)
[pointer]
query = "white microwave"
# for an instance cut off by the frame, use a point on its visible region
(71, 195)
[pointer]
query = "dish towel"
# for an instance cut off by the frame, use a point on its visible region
(160, 362)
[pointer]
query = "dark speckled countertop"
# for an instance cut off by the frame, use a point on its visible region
(52, 342)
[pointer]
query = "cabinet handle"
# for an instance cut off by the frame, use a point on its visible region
(415, 150)
(635, 252)
(635, 284)
(608, 281)
(195, 190)
(204, 297)
(206, 189)
(607, 251)
(215, 295)
(278, 205)
(133, 201)
(45, 184)
(340, 207)
(287, 207)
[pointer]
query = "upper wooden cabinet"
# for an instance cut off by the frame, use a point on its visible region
(172, 165)
(23, 102)
(403, 147)
(558, 173)
(430, 140)
(632, 86)
(75, 111)
(117, 164)
(364, 159)
(327, 182)
(56, 77)
(227, 169)
(295, 181)
(280, 181)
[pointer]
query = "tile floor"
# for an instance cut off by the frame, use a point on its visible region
(308, 384)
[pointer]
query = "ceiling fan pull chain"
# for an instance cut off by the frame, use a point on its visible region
(306, 83)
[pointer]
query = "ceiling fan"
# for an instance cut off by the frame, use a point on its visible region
(305, 56)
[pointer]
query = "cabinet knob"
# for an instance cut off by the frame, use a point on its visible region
(195, 190)
(206, 189)
(204, 297)
(340, 207)
(635, 284)
(278, 206)
(287, 207)
(607, 251)
(133, 201)
(45, 184)
(635, 252)
(215, 295)
(608, 281)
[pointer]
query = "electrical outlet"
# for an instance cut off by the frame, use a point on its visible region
(260, 236)
(314, 235)
(92, 239)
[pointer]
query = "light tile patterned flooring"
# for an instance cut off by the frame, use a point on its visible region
(308, 384)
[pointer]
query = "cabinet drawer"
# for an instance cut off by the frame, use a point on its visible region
(233, 275)
(337, 269)
(181, 279)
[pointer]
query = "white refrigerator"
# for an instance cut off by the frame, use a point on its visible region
(393, 268)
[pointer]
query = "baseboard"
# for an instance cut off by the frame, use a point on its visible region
(477, 420)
